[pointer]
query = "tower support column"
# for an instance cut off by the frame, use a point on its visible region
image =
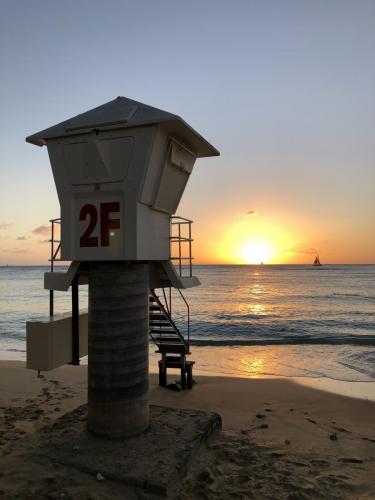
(118, 348)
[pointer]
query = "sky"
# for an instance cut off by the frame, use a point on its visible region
(284, 89)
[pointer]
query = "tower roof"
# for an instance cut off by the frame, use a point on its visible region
(123, 113)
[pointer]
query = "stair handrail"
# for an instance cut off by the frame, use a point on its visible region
(173, 324)
(169, 309)
(188, 315)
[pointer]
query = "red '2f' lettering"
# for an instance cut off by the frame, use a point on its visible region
(106, 223)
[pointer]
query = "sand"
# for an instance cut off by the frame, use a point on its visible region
(279, 439)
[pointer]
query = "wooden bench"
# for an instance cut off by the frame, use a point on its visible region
(180, 362)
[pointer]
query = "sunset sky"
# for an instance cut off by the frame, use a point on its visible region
(284, 89)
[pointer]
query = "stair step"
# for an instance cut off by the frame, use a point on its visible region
(164, 335)
(159, 324)
(155, 308)
(171, 340)
(171, 346)
(163, 330)
(175, 348)
(159, 317)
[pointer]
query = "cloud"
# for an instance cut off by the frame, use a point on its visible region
(17, 250)
(305, 251)
(246, 215)
(44, 241)
(42, 230)
(4, 225)
(21, 238)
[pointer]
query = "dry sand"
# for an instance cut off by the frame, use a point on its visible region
(279, 439)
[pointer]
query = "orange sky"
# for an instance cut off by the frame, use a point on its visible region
(229, 237)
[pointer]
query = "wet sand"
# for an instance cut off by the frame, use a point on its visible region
(279, 439)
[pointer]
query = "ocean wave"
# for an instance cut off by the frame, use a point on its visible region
(362, 362)
(360, 340)
(13, 350)
(356, 295)
(239, 317)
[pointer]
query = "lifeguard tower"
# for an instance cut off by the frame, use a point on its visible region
(120, 171)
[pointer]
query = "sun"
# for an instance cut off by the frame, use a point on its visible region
(255, 252)
(253, 240)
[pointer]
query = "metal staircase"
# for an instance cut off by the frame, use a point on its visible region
(163, 331)
(171, 343)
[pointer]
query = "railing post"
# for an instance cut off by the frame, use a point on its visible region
(179, 247)
(75, 321)
(190, 263)
(51, 298)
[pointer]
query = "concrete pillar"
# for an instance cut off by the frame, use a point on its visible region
(118, 349)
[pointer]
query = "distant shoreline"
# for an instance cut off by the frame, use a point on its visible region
(308, 264)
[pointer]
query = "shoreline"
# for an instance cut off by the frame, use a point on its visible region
(351, 388)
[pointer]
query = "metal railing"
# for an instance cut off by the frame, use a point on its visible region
(53, 258)
(54, 250)
(180, 238)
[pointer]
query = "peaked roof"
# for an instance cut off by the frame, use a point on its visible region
(123, 112)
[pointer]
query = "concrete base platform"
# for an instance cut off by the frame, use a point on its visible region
(151, 464)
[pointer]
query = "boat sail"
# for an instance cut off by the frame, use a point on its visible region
(317, 261)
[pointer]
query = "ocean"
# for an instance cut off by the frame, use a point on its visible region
(297, 321)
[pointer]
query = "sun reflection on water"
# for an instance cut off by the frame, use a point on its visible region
(253, 309)
(252, 366)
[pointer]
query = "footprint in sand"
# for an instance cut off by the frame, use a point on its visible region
(353, 460)
(341, 429)
(320, 463)
(298, 464)
(368, 439)
(311, 420)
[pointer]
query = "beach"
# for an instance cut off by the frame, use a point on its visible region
(280, 439)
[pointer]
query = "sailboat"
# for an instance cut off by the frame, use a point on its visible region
(317, 261)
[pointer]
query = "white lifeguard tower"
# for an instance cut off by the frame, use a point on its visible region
(120, 171)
